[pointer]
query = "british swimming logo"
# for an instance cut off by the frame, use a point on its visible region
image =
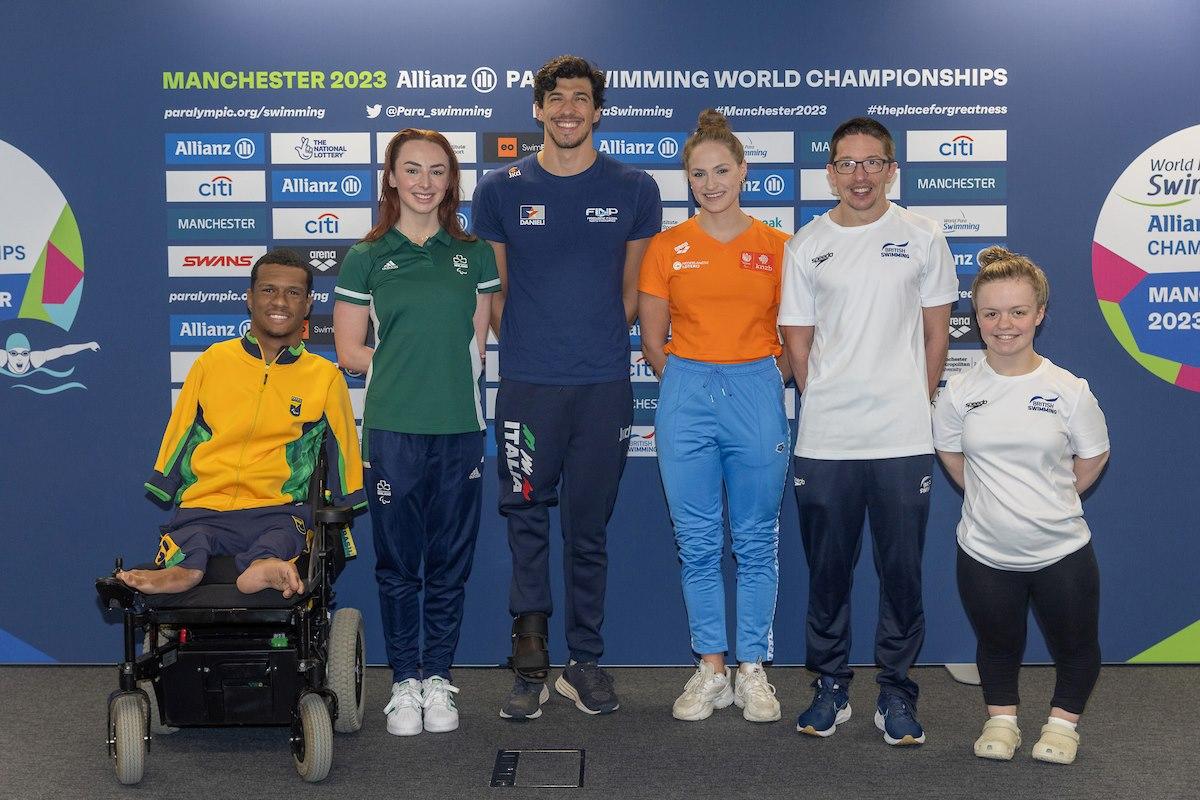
(1046, 404)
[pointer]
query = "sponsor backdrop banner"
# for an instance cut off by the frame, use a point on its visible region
(156, 150)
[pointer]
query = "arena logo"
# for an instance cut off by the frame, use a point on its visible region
(214, 148)
(325, 261)
(247, 186)
(963, 329)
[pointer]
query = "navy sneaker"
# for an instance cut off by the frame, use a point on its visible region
(830, 708)
(525, 700)
(589, 686)
(897, 718)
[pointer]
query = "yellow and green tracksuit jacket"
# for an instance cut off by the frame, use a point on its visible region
(245, 433)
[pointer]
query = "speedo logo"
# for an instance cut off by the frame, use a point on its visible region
(821, 259)
(975, 404)
(519, 446)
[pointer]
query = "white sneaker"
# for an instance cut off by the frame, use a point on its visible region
(404, 709)
(705, 690)
(441, 715)
(754, 695)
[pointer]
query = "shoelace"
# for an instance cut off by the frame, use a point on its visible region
(699, 681)
(406, 696)
(897, 708)
(593, 677)
(757, 681)
(438, 692)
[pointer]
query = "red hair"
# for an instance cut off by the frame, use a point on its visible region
(389, 198)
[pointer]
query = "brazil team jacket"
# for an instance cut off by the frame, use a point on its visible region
(245, 433)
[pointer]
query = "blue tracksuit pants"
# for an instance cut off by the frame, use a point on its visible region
(724, 424)
(424, 493)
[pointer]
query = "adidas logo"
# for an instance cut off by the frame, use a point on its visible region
(389, 265)
(474, 474)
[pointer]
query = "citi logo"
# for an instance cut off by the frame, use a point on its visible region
(821, 259)
(533, 215)
(325, 223)
(601, 214)
(961, 145)
(217, 186)
(894, 250)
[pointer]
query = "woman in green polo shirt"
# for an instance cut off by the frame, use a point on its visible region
(426, 285)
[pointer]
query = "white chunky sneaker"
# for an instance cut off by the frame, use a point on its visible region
(441, 714)
(404, 709)
(754, 695)
(705, 690)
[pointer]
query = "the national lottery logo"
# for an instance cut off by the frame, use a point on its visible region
(309, 149)
(1044, 404)
(460, 263)
(533, 215)
(894, 250)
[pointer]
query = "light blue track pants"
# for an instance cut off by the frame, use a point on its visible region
(725, 424)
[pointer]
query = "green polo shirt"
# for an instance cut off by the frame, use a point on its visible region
(424, 376)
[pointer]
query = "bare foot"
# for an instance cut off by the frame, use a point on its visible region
(270, 573)
(161, 581)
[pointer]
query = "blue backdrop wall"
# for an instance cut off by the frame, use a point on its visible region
(1016, 122)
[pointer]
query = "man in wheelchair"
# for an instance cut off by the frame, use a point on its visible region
(243, 440)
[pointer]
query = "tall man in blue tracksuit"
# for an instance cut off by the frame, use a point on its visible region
(569, 227)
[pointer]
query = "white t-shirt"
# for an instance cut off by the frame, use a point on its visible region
(1019, 435)
(863, 289)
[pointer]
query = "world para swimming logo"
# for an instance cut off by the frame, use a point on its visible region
(41, 277)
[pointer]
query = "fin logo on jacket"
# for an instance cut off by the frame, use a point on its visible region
(294, 406)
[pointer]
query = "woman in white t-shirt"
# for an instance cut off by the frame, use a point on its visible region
(1024, 438)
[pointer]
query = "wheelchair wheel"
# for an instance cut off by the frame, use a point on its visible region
(156, 724)
(312, 739)
(345, 669)
(127, 732)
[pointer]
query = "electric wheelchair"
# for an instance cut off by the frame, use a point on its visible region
(214, 657)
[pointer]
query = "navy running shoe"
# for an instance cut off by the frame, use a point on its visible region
(589, 686)
(897, 718)
(830, 708)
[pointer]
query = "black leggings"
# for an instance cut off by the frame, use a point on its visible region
(1066, 605)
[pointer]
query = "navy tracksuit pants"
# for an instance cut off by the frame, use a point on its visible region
(562, 445)
(424, 492)
(834, 499)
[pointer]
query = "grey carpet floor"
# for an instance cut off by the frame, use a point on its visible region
(1138, 741)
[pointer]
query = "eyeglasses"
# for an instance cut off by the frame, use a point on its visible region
(846, 166)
